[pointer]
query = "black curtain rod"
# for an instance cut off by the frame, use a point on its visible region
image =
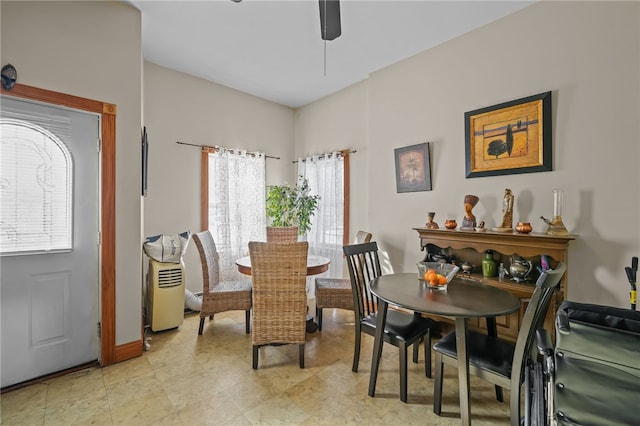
(221, 147)
(328, 153)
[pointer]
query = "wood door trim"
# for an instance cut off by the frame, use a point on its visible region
(108, 204)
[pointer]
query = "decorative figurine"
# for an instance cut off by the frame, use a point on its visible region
(480, 227)
(431, 224)
(507, 212)
(469, 220)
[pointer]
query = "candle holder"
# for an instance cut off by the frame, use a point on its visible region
(556, 227)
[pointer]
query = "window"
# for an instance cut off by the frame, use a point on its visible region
(328, 177)
(35, 189)
(233, 200)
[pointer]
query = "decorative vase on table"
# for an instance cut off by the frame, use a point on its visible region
(489, 265)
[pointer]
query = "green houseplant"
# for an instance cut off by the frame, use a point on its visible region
(291, 206)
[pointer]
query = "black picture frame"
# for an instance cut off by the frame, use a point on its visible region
(509, 138)
(145, 161)
(413, 168)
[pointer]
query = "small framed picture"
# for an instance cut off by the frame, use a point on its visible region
(413, 169)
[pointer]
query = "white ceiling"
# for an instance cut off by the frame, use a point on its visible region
(273, 49)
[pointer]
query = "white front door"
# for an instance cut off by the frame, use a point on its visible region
(49, 296)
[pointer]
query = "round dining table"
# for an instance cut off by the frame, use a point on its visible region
(315, 264)
(461, 300)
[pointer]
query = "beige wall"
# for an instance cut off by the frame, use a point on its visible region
(588, 55)
(340, 124)
(92, 50)
(180, 107)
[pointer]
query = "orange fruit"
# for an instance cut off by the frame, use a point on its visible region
(442, 280)
(431, 276)
(431, 271)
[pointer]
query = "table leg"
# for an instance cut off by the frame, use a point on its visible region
(463, 370)
(377, 345)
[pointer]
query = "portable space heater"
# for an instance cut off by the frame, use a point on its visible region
(166, 294)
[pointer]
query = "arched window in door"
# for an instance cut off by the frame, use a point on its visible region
(36, 175)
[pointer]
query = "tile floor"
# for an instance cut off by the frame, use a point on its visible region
(186, 379)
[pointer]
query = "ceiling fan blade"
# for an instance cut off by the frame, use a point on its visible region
(330, 28)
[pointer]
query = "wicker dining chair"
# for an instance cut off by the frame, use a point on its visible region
(279, 273)
(282, 234)
(219, 296)
(336, 292)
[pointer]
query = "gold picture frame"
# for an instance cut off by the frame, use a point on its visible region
(509, 138)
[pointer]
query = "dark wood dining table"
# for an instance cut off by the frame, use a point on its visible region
(461, 300)
(315, 264)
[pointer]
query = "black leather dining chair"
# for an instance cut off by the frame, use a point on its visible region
(495, 360)
(402, 329)
(336, 292)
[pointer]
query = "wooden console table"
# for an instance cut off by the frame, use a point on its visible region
(469, 246)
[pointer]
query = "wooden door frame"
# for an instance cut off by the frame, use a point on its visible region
(108, 204)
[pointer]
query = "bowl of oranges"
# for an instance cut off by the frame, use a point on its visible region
(436, 274)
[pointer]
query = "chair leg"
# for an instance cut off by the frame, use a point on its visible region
(319, 318)
(247, 321)
(201, 326)
(356, 350)
(255, 356)
(416, 347)
(514, 394)
(301, 350)
(427, 354)
(499, 394)
(437, 384)
(403, 371)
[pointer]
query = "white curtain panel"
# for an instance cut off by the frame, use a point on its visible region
(325, 174)
(236, 205)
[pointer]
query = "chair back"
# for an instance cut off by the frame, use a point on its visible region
(364, 265)
(363, 237)
(278, 273)
(209, 259)
(533, 319)
(280, 234)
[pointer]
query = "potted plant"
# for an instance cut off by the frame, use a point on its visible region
(291, 206)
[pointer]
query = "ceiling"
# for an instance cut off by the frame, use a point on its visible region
(274, 50)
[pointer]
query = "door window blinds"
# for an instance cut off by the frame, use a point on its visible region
(36, 175)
